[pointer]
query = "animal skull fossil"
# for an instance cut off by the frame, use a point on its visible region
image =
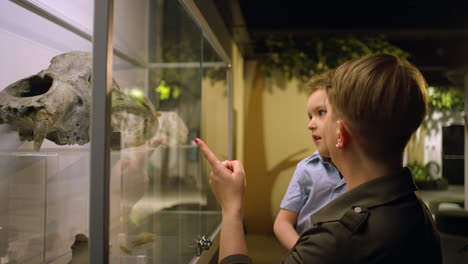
(55, 104)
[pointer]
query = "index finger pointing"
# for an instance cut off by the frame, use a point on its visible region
(209, 155)
(140, 159)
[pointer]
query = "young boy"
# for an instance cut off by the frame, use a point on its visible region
(316, 181)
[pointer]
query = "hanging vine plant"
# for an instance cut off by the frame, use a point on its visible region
(445, 98)
(448, 102)
(301, 58)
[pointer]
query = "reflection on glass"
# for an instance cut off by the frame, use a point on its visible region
(160, 203)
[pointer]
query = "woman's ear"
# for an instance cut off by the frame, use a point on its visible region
(343, 134)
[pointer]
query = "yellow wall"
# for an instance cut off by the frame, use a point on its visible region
(240, 97)
(214, 113)
(288, 139)
(275, 139)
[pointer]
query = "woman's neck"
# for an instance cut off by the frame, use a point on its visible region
(357, 169)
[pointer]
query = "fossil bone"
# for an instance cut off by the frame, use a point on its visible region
(55, 104)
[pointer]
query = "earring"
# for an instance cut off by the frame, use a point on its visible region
(338, 145)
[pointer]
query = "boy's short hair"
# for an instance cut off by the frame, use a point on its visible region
(318, 82)
(384, 99)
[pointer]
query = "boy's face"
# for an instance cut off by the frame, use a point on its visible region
(330, 129)
(316, 110)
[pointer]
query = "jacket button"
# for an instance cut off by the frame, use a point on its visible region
(357, 209)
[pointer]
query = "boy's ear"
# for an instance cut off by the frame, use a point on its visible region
(343, 134)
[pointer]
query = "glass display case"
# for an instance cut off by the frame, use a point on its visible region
(169, 83)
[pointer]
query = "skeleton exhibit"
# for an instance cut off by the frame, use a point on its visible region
(55, 104)
(160, 95)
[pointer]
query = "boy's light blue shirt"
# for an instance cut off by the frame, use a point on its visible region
(314, 184)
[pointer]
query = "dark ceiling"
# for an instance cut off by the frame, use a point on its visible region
(340, 14)
(435, 33)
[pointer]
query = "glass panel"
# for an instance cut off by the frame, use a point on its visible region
(215, 117)
(215, 94)
(23, 199)
(178, 182)
(44, 186)
(159, 196)
(133, 124)
(215, 102)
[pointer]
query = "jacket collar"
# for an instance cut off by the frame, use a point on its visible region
(370, 194)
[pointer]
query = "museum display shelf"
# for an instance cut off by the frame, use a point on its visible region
(44, 204)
